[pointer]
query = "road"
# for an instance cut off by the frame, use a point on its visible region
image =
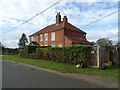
(17, 75)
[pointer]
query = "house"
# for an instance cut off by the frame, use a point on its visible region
(62, 33)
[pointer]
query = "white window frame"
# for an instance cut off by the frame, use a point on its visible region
(32, 38)
(53, 36)
(46, 37)
(41, 37)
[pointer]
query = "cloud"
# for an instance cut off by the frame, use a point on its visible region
(79, 13)
(111, 34)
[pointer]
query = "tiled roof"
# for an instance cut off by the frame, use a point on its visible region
(59, 26)
(80, 41)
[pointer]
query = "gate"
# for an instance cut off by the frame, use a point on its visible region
(93, 57)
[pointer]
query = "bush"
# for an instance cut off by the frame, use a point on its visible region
(56, 54)
(109, 63)
(28, 50)
(42, 53)
(10, 51)
(77, 54)
(72, 55)
(21, 53)
(33, 56)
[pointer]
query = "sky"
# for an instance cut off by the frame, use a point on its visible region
(79, 13)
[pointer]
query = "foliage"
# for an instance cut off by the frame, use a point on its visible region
(28, 49)
(109, 63)
(72, 55)
(42, 53)
(104, 42)
(21, 53)
(2, 48)
(10, 51)
(23, 41)
(33, 56)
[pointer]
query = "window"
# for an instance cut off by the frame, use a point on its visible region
(46, 36)
(41, 37)
(53, 36)
(32, 38)
(84, 35)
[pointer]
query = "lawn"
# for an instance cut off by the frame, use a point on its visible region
(112, 72)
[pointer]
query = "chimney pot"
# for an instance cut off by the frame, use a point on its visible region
(58, 18)
(65, 19)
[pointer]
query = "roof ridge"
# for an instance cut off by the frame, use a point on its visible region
(76, 27)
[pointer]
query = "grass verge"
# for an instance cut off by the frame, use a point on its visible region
(112, 72)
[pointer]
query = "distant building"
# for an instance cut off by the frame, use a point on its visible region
(62, 33)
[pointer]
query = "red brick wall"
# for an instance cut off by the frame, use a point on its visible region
(36, 38)
(59, 39)
(68, 42)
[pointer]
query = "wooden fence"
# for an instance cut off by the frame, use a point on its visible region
(101, 55)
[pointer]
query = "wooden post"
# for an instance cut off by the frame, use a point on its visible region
(98, 56)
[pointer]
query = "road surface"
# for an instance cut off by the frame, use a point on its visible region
(16, 75)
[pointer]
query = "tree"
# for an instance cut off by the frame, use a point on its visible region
(23, 41)
(104, 42)
(2, 48)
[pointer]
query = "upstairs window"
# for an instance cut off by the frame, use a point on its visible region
(84, 35)
(46, 37)
(41, 37)
(32, 38)
(53, 36)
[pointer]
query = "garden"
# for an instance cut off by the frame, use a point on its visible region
(62, 59)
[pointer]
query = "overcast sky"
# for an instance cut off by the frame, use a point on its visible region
(79, 13)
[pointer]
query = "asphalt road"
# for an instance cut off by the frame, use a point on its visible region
(17, 75)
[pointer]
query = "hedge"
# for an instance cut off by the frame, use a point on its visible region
(10, 51)
(29, 49)
(72, 55)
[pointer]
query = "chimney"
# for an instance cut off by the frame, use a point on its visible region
(65, 20)
(58, 18)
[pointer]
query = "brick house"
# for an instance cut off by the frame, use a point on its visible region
(62, 33)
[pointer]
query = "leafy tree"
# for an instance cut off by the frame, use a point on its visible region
(104, 42)
(2, 48)
(118, 44)
(23, 41)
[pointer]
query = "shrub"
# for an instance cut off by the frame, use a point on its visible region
(109, 63)
(72, 54)
(10, 51)
(56, 54)
(42, 53)
(77, 54)
(33, 56)
(28, 50)
(21, 53)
